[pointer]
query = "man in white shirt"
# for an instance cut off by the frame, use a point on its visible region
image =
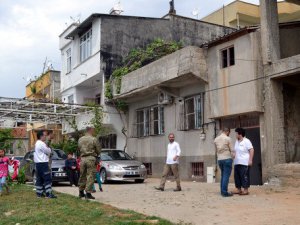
(243, 160)
(172, 164)
(41, 160)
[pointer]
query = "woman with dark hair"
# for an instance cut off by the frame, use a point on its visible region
(244, 153)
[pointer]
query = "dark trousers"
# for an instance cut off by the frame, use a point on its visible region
(73, 177)
(43, 179)
(241, 176)
(225, 167)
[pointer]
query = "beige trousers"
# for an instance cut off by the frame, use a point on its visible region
(175, 170)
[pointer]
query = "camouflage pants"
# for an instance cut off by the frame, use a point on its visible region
(87, 173)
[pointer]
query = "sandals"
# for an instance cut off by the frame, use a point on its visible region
(244, 193)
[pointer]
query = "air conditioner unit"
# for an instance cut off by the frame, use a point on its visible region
(164, 98)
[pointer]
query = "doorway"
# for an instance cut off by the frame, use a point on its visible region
(253, 134)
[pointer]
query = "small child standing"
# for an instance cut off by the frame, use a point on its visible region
(4, 162)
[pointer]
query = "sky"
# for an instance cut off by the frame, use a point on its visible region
(29, 31)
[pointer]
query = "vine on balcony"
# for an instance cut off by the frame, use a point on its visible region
(136, 59)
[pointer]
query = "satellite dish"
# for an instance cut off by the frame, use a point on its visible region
(195, 12)
(117, 9)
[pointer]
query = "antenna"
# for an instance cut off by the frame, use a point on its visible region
(195, 13)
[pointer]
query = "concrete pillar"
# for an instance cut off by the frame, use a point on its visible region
(269, 31)
(273, 127)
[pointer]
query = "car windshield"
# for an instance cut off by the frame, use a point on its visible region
(58, 154)
(114, 155)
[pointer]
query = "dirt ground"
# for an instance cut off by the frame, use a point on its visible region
(201, 203)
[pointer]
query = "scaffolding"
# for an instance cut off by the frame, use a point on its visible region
(29, 111)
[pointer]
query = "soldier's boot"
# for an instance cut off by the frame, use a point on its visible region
(81, 194)
(89, 196)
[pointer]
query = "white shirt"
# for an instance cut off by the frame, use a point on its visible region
(173, 150)
(41, 152)
(242, 149)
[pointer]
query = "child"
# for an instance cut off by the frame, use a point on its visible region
(4, 162)
(71, 167)
(98, 178)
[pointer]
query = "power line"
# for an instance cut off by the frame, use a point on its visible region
(248, 81)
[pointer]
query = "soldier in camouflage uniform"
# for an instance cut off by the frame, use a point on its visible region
(89, 149)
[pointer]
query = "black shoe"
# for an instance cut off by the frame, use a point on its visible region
(40, 195)
(177, 189)
(89, 196)
(81, 194)
(101, 189)
(51, 196)
(159, 188)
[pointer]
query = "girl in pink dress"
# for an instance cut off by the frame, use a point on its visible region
(4, 162)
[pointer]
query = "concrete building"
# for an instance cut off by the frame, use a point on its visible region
(46, 87)
(248, 78)
(92, 49)
(239, 14)
(167, 96)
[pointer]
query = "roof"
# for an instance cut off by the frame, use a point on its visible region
(238, 33)
(86, 24)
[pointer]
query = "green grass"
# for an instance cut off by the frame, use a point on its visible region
(21, 206)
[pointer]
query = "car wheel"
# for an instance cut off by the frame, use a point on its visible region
(103, 176)
(34, 178)
(139, 181)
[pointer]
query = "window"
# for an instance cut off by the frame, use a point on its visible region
(86, 45)
(143, 117)
(227, 57)
(71, 99)
(193, 112)
(150, 121)
(109, 141)
(69, 60)
(157, 120)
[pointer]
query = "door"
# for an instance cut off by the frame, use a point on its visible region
(253, 134)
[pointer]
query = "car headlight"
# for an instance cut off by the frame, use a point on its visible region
(115, 167)
(60, 170)
(142, 166)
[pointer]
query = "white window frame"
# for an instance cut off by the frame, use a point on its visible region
(85, 45)
(145, 127)
(159, 120)
(69, 60)
(197, 112)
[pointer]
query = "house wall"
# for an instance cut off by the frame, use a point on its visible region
(153, 149)
(81, 71)
(245, 93)
(133, 32)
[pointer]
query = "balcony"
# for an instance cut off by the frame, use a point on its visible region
(181, 68)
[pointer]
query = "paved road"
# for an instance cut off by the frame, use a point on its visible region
(200, 203)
